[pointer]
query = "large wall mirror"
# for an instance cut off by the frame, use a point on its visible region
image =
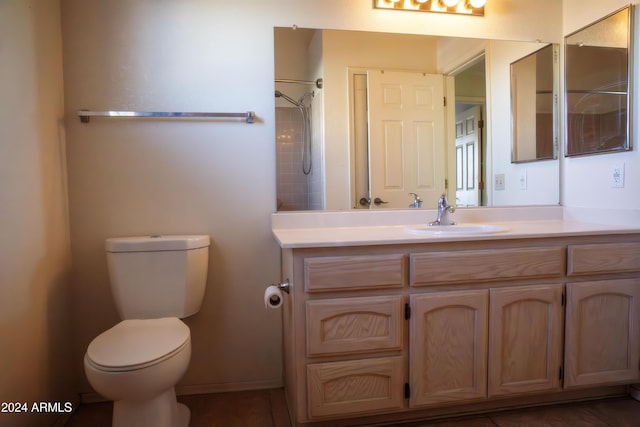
(598, 76)
(534, 94)
(378, 127)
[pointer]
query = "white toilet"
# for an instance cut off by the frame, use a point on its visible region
(155, 281)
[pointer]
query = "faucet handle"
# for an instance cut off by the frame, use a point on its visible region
(417, 201)
(443, 204)
(442, 201)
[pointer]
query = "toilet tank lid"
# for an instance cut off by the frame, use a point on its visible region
(156, 243)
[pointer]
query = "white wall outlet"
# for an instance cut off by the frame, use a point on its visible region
(617, 176)
(499, 181)
(522, 179)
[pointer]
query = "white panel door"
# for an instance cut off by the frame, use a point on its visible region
(468, 157)
(406, 137)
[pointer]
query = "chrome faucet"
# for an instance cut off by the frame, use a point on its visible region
(417, 201)
(444, 209)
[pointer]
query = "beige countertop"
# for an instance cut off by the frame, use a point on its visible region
(355, 229)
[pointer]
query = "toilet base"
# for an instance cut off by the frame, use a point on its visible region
(184, 415)
(160, 411)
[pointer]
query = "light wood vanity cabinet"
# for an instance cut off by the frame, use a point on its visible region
(343, 326)
(469, 345)
(399, 331)
(602, 343)
(352, 359)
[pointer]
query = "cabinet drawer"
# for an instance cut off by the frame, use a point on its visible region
(353, 325)
(353, 272)
(603, 258)
(355, 386)
(485, 265)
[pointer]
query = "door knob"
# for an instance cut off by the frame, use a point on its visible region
(378, 201)
(365, 201)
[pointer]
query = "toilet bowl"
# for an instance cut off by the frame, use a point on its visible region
(136, 364)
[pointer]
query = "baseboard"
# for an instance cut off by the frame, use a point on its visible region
(93, 397)
(634, 391)
(227, 387)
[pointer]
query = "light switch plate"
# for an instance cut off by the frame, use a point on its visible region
(499, 181)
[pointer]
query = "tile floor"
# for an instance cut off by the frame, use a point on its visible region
(267, 408)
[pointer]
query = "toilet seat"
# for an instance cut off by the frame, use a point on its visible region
(138, 343)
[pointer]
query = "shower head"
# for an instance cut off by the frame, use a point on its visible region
(291, 100)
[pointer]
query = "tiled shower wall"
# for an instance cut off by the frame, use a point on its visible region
(297, 191)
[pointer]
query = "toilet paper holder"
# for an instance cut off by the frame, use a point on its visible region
(284, 286)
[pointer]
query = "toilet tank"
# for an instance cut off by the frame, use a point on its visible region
(157, 276)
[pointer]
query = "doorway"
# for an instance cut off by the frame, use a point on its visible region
(471, 94)
(398, 148)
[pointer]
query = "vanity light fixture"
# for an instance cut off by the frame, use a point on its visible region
(463, 7)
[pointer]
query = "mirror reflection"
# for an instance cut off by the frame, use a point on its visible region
(393, 117)
(533, 106)
(597, 83)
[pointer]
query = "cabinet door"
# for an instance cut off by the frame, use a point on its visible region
(355, 386)
(602, 334)
(448, 347)
(525, 339)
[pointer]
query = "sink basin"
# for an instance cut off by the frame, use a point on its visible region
(456, 229)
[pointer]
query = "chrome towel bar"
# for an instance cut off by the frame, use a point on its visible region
(85, 115)
(318, 83)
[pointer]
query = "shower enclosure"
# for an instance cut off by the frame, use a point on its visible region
(299, 148)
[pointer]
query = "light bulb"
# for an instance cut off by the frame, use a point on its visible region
(450, 3)
(421, 1)
(477, 3)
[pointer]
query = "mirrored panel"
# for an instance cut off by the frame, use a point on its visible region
(598, 81)
(399, 114)
(534, 106)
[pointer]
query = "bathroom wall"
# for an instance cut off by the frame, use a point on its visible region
(129, 177)
(35, 260)
(541, 176)
(138, 177)
(586, 180)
